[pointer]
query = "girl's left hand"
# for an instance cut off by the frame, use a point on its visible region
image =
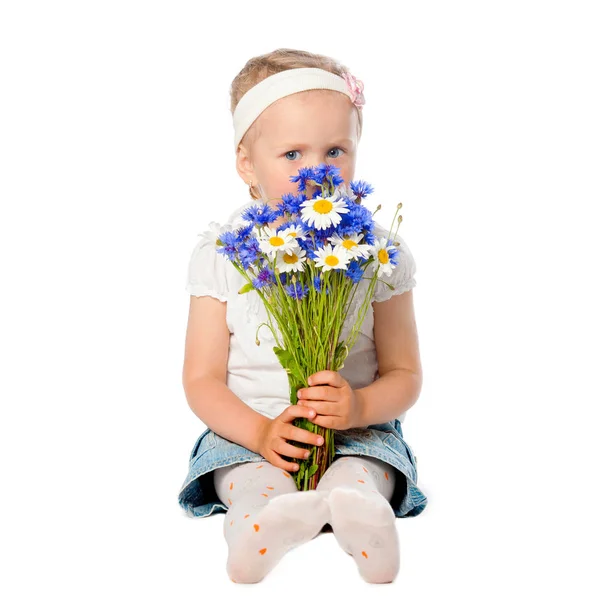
(335, 402)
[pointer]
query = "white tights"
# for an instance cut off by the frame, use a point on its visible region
(266, 516)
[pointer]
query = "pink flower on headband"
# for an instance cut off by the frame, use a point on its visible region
(355, 86)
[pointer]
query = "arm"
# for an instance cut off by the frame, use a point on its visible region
(400, 373)
(205, 376)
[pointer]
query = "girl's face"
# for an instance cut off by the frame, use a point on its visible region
(300, 130)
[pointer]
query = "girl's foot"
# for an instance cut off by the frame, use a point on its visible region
(365, 527)
(285, 522)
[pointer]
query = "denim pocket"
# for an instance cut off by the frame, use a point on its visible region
(205, 442)
(355, 436)
(399, 445)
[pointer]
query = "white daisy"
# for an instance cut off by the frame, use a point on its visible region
(271, 241)
(350, 242)
(332, 257)
(214, 231)
(321, 212)
(296, 231)
(380, 252)
(291, 262)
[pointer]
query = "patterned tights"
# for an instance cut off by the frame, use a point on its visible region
(267, 516)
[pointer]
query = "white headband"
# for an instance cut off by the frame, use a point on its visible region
(287, 82)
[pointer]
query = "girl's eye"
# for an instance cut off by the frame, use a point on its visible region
(287, 154)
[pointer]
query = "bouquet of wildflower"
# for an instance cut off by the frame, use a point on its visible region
(306, 272)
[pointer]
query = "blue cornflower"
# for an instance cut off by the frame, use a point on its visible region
(328, 171)
(354, 272)
(369, 238)
(304, 175)
(361, 189)
(230, 244)
(308, 246)
(358, 219)
(290, 204)
(311, 253)
(317, 283)
(278, 212)
(248, 251)
(243, 232)
(393, 254)
(265, 277)
(322, 236)
(259, 214)
(296, 290)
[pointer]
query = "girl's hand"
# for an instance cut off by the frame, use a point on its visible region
(336, 403)
(273, 436)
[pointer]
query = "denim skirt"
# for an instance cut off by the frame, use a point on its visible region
(385, 441)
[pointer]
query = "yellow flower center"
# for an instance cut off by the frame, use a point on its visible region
(323, 206)
(290, 259)
(332, 260)
(277, 241)
(383, 256)
(349, 244)
(292, 233)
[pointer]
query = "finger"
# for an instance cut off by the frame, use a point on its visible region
(332, 378)
(293, 411)
(337, 380)
(320, 392)
(302, 435)
(322, 407)
(287, 465)
(317, 378)
(327, 422)
(288, 450)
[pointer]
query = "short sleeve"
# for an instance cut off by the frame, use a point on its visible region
(402, 276)
(206, 270)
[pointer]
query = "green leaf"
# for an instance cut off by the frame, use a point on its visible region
(340, 354)
(283, 356)
(245, 289)
(295, 371)
(287, 361)
(301, 470)
(312, 470)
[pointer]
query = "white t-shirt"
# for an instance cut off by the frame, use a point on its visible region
(254, 373)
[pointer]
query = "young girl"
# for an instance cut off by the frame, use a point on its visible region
(293, 109)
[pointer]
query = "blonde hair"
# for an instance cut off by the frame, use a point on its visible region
(265, 65)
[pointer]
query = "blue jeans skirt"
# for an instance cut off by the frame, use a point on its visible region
(383, 441)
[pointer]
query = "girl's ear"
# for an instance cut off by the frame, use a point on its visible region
(243, 164)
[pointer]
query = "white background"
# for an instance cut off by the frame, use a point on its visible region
(116, 150)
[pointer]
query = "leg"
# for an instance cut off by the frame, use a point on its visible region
(265, 518)
(358, 490)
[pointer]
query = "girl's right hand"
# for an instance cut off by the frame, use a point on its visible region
(272, 439)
